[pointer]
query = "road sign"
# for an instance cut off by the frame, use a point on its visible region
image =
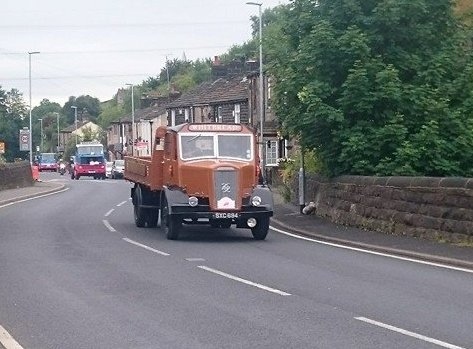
(24, 140)
(2, 147)
(141, 145)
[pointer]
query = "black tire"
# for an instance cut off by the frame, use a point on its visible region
(77, 177)
(152, 218)
(261, 229)
(169, 224)
(138, 212)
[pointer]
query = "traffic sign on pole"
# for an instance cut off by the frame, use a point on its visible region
(24, 140)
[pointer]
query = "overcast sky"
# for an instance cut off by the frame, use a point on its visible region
(97, 46)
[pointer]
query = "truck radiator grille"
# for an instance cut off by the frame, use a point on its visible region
(226, 188)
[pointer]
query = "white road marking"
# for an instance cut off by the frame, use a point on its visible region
(419, 261)
(8, 341)
(109, 212)
(109, 227)
(146, 247)
(195, 259)
(35, 197)
(409, 333)
(251, 283)
(121, 203)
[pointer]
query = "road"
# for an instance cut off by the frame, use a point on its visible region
(76, 273)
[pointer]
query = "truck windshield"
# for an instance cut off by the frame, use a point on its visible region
(91, 160)
(47, 158)
(216, 145)
(90, 149)
(235, 146)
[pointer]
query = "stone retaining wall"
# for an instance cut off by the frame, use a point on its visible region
(15, 175)
(427, 207)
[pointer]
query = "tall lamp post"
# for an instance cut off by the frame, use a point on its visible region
(132, 119)
(31, 123)
(41, 135)
(75, 119)
(261, 101)
(57, 147)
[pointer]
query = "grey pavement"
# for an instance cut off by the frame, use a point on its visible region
(287, 217)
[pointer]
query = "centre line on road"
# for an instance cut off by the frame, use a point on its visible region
(251, 283)
(419, 261)
(107, 224)
(109, 212)
(8, 341)
(146, 247)
(121, 203)
(409, 333)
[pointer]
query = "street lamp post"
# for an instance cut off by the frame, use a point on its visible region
(132, 119)
(57, 147)
(75, 119)
(261, 83)
(31, 123)
(41, 135)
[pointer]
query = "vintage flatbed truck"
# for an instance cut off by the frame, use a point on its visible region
(200, 173)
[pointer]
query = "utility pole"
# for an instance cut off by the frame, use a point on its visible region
(31, 123)
(261, 88)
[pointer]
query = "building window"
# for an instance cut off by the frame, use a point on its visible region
(219, 114)
(186, 115)
(236, 113)
(173, 117)
(272, 152)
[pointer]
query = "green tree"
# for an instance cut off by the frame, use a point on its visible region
(13, 117)
(47, 111)
(376, 87)
(86, 105)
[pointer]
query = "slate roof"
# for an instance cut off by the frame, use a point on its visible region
(218, 91)
(148, 113)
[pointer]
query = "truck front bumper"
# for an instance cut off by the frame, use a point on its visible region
(239, 217)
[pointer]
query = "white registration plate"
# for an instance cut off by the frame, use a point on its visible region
(91, 171)
(225, 215)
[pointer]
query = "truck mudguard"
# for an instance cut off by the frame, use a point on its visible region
(175, 197)
(266, 196)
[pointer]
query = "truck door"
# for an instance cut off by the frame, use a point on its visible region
(170, 174)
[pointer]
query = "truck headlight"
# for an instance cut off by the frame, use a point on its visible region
(256, 200)
(193, 201)
(251, 222)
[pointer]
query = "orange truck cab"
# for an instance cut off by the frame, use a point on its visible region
(200, 173)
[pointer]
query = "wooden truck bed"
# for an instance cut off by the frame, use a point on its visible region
(144, 170)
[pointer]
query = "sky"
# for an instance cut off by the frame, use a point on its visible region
(95, 47)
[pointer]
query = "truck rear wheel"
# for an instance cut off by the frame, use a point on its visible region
(152, 218)
(261, 229)
(169, 224)
(138, 211)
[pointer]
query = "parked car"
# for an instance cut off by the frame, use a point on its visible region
(108, 169)
(117, 169)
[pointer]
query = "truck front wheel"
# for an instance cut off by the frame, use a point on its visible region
(169, 224)
(261, 229)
